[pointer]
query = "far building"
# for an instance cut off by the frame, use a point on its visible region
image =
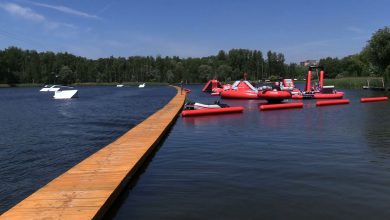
(309, 63)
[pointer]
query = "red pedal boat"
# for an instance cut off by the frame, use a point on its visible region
(274, 96)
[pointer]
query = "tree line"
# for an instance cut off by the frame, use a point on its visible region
(29, 66)
(373, 60)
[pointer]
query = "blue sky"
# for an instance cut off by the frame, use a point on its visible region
(300, 29)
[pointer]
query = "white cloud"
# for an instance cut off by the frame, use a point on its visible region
(355, 30)
(65, 9)
(23, 12)
(144, 44)
(89, 51)
(29, 14)
(336, 47)
(50, 25)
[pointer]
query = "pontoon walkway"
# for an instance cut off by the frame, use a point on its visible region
(88, 189)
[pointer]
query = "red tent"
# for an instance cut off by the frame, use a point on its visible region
(211, 84)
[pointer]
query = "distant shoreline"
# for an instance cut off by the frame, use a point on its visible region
(341, 83)
(26, 85)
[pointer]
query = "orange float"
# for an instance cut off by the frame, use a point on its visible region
(333, 102)
(374, 99)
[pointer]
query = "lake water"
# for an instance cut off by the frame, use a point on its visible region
(313, 163)
(40, 137)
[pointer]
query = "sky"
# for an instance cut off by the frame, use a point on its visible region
(300, 29)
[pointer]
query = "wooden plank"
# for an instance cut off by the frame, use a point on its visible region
(88, 189)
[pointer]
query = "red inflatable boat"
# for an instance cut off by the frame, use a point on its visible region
(212, 111)
(197, 109)
(217, 90)
(318, 91)
(297, 96)
(237, 94)
(312, 95)
(240, 90)
(274, 96)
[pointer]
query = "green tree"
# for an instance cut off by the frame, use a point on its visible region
(378, 48)
(222, 55)
(332, 66)
(224, 71)
(179, 71)
(205, 72)
(66, 75)
(352, 66)
(29, 66)
(387, 76)
(170, 76)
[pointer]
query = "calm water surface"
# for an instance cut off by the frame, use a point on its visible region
(40, 137)
(313, 163)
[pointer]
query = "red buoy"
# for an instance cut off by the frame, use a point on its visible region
(337, 95)
(374, 99)
(296, 96)
(281, 106)
(333, 102)
(212, 111)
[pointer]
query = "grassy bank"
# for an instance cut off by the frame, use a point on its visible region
(85, 84)
(342, 83)
(354, 82)
(123, 83)
(20, 85)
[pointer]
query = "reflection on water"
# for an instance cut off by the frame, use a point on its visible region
(207, 119)
(312, 163)
(66, 107)
(377, 129)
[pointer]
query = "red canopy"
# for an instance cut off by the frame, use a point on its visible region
(211, 84)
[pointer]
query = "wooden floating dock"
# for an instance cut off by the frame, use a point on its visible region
(87, 190)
